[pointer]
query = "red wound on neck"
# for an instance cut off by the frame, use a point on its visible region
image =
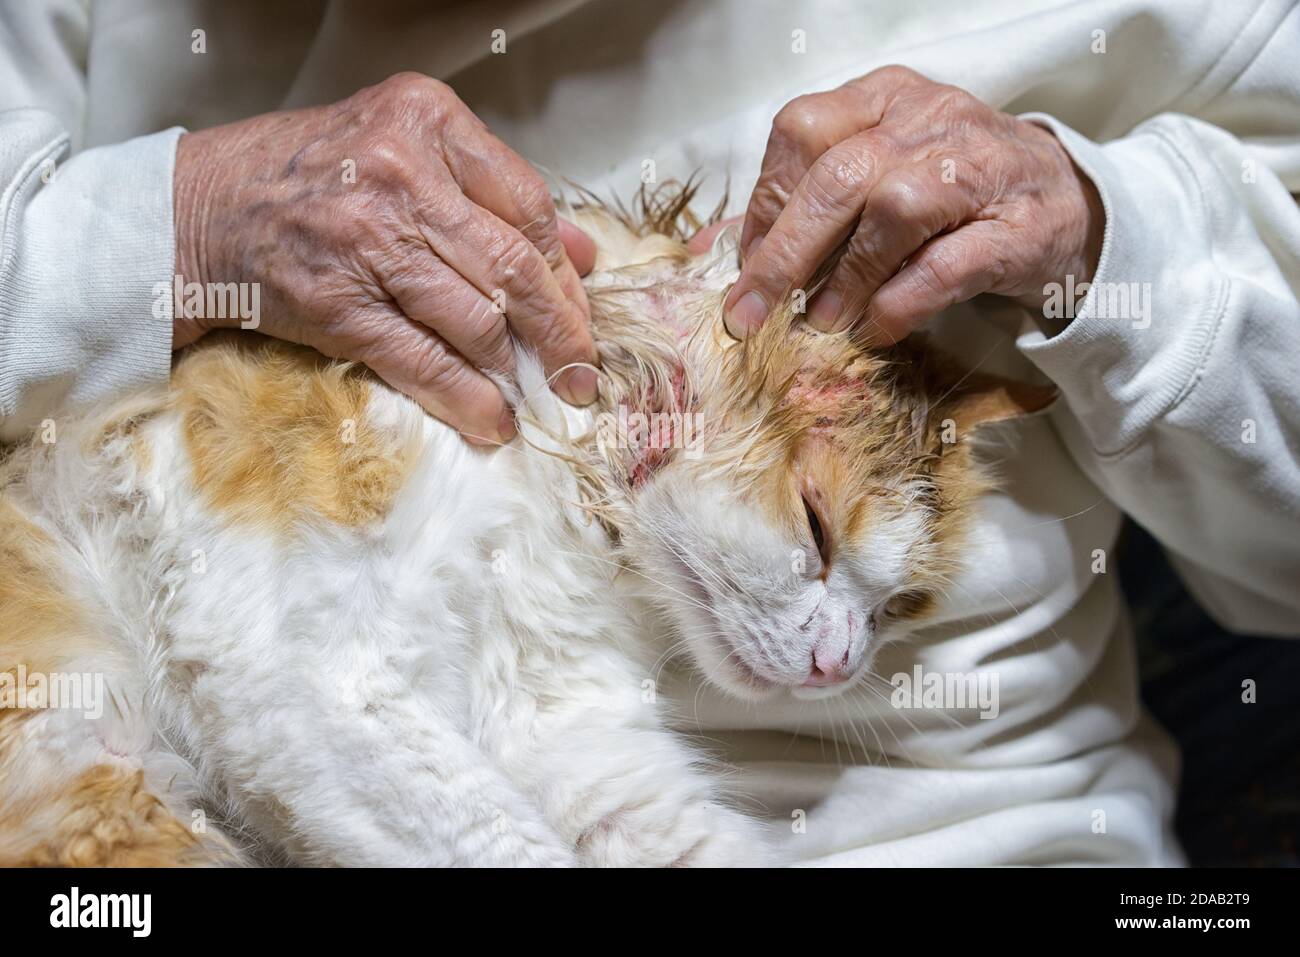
(653, 427)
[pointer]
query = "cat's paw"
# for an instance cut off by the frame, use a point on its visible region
(741, 842)
(696, 835)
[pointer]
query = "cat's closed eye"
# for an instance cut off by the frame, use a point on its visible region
(819, 536)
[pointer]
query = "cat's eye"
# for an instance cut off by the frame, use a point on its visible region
(819, 536)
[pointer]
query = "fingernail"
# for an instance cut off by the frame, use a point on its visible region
(506, 425)
(580, 383)
(825, 311)
(746, 315)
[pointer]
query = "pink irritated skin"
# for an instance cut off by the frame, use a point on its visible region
(654, 452)
(833, 397)
(658, 445)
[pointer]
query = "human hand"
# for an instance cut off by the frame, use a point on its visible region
(934, 197)
(393, 229)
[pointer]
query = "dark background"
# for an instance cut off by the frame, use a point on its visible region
(1239, 802)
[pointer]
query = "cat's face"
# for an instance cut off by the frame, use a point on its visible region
(810, 506)
(779, 596)
(809, 524)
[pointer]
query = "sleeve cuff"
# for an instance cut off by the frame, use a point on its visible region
(84, 250)
(1144, 327)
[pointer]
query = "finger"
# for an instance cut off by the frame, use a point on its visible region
(580, 247)
(504, 183)
(908, 206)
(802, 131)
(435, 295)
(702, 241)
(509, 270)
(948, 269)
(420, 363)
(817, 219)
(807, 127)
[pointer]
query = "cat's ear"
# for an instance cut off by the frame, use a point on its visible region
(966, 398)
(980, 399)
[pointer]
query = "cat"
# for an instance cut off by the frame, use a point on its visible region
(330, 632)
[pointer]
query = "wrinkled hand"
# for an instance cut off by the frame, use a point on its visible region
(393, 229)
(928, 196)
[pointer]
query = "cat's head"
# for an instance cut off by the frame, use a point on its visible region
(794, 501)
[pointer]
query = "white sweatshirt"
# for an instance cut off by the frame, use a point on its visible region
(1179, 410)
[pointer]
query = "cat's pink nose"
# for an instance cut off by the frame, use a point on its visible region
(830, 666)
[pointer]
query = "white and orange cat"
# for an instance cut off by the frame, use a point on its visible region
(331, 632)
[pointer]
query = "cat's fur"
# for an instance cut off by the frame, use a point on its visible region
(334, 633)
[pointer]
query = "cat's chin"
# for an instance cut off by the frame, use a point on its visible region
(745, 685)
(804, 693)
(739, 681)
(732, 675)
(725, 671)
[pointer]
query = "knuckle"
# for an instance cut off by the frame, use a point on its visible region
(859, 269)
(766, 203)
(954, 100)
(997, 269)
(489, 341)
(412, 87)
(800, 119)
(564, 340)
(838, 177)
(403, 264)
(895, 74)
(535, 199)
(446, 211)
(436, 369)
(898, 201)
(540, 225)
(386, 155)
(938, 271)
(419, 100)
(519, 267)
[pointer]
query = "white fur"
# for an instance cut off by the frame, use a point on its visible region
(461, 684)
(469, 681)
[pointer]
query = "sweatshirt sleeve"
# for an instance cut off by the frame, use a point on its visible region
(83, 246)
(1179, 369)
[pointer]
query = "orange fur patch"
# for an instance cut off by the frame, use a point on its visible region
(104, 818)
(277, 434)
(39, 625)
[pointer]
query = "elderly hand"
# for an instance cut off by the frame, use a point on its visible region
(393, 229)
(933, 196)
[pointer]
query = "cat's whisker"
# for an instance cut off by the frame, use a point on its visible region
(915, 702)
(693, 562)
(915, 730)
(834, 735)
(862, 741)
(639, 572)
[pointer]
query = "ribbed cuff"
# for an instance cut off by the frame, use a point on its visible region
(1137, 339)
(84, 252)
